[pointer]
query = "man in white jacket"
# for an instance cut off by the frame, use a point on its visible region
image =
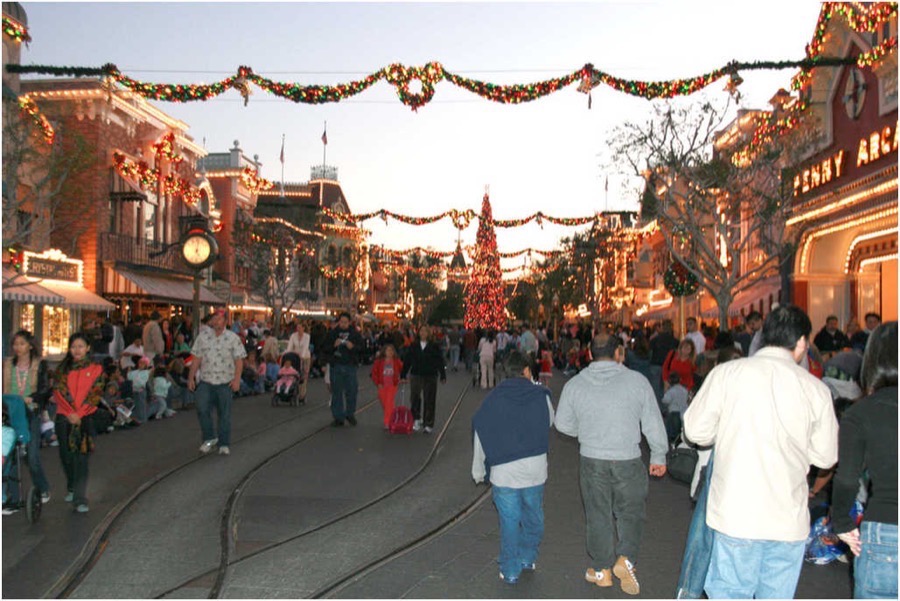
(769, 419)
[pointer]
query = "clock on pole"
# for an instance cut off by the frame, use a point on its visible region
(199, 250)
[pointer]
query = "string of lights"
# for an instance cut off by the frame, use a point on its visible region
(461, 219)
(862, 18)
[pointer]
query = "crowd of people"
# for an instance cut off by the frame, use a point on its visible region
(766, 419)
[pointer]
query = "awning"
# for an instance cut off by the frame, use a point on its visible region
(159, 287)
(667, 312)
(760, 290)
(77, 296)
(18, 287)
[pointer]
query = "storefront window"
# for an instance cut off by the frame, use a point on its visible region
(26, 321)
(57, 328)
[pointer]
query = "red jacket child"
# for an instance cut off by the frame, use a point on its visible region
(386, 375)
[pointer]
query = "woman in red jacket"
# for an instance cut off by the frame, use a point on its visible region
(682, 361)
(77, 391)
(386, 375)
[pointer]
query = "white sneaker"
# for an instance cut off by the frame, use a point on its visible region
(417, 425)
(207, 445)
(224, 451)
(45, 497)
(427, 430)
(169, 413)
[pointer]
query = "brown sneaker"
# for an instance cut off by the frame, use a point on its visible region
(603, 578)
(624, 571)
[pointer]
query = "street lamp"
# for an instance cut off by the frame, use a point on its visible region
(555, 314)
(199, 250)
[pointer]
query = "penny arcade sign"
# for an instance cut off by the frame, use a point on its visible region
(876, 146)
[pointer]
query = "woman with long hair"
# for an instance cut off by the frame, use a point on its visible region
(681, 360)
(78, 388)
(868, 451)
(25, 375)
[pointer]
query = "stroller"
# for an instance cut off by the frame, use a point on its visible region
(16, 436)
(287, 388)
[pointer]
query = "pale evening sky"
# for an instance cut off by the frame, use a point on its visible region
(543, 155)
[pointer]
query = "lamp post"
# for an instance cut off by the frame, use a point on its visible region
(555, 302)
(199, 250)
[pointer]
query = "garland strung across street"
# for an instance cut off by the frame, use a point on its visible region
(461, 219)
(861, 18)
(436, 254)
(400, 77)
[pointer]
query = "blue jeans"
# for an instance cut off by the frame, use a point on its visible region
(343, 391)
(218, 396)
(454, 356)
(521, 515)
(875, 570)
(743, 568)
(698, 549)
(33, 461)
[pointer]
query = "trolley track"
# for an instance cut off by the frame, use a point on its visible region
(228, 513)
(350, 578)
(99, 539)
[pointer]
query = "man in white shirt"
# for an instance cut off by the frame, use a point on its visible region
(131, 354)
(769, 419)
(695, 336)
(511, 438)
(219, 357)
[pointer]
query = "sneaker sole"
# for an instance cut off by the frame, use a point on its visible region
(598, 581)
(629, 585)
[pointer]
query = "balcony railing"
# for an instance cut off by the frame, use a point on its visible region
(137, 251)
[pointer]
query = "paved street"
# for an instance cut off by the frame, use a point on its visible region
(308, 508)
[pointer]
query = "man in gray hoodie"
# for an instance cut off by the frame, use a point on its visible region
(607, 406)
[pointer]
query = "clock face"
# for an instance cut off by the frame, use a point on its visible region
(855, 93)
(196, 249)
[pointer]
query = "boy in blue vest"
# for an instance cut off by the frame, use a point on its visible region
(511, 434)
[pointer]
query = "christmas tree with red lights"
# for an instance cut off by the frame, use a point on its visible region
(485, 302)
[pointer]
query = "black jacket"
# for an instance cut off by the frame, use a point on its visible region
(827, 342)
(341, 354)
(428, 362)
(868, 441)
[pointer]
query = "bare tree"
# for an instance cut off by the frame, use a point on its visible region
(37, 177)
(720, 203)
(281, 261)
(421, 280)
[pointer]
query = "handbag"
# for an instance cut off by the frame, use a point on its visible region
(681, 462)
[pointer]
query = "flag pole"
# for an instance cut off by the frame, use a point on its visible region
(282, 165)
(324, 142)
(606, 195)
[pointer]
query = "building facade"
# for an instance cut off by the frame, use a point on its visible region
(341, 278)
(845, 193)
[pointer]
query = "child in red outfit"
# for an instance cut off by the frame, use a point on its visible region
(546, 367)
(386, 375)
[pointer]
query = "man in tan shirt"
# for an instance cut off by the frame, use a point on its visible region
(154, 343)
(769, 419)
